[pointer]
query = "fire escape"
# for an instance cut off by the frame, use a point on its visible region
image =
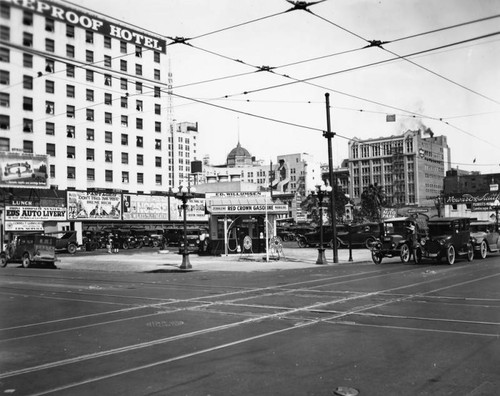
(398, 169)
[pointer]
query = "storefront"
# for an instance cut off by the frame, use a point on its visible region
(240, 221)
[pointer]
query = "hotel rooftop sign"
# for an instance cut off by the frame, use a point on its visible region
(91, 22)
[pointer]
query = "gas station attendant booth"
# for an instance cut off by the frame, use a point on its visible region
(236, 215)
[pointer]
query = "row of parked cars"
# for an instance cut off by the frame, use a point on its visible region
(438, 238)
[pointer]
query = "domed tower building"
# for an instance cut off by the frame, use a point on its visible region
(239, 157)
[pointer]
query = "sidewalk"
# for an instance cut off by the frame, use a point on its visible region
(169, 261)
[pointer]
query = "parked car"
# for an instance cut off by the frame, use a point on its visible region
(66, 241)
(362, 235)
(447, 238)
(484, 238)
(398, 237)
(30, 248)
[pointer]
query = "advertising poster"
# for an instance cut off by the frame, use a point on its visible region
(195, 210)
(23, 226)
(281, 182)
(144, 207)
(93, 206)
(34, 213)
(20, 169)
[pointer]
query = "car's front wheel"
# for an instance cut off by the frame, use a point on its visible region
(483, 250)
(26, 261)
(301, 242)
(377, 257)
(450, 255)
(71, 248)
(369, 242)
(405, 253)
(470, 252)
(3, 260)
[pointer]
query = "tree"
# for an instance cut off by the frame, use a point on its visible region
(310, 205)
(372, 199)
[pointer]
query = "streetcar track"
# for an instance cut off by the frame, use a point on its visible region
(130, 348)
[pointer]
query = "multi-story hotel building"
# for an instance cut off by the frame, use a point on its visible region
(91, 93)
(409, 167)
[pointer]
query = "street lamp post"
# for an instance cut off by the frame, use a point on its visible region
(185, 194)
(496, 206)
(321, 192)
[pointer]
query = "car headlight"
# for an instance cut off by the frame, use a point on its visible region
(423, 241)
(442, 241)
(473, 240)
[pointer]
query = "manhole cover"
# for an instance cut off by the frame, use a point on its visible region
(345, 391)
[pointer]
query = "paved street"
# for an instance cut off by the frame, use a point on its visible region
(233, 326)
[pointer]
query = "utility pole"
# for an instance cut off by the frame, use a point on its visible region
(329, 136)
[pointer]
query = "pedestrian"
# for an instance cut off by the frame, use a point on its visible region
(109, 245)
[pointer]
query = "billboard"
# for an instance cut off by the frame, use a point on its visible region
(195, 210)
(145, 207)
(23, 170)
(93, 206)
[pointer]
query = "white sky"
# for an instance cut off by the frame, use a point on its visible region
(473, 117)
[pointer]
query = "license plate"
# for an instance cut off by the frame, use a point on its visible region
(432, 254)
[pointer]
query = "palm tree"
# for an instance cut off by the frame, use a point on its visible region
(372, 199)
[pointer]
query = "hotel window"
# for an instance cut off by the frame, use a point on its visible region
(89, 75)
(108, 156)
(138, 105)
(157, 92)
(5, 55)
(123, 65)
(108, 99)
(108, 175)
(70, 51)
(124, 120)
(123, 83)
(157, 126)
(49, 86)
(107, 42)
(4, 77)
(28, 104)
(124, 177)
(138, 51)
(27, 125)
(4, 144)
(90, 134)
(70, 71)
(49, 66)
(49, 25)
(28, 146)
(90, 174)
(27, 18)
(140, 178)
(70, 31)
(70, 131)
(70, 91)
(50, 128)
(124, 139)
(4, 121)
(139, 142)
(138, 123)
(140, 159)
(107, 61)
(108, 119)
(4, 10)
(158, 109)
(124, 102)
(89, 36)
(52, 171)
(157, 74)
(90, 95)
(156, 56)
(108, 137)
(107, 80)
(157, 144)
(158, 180)
(89, 114)
(4, 33)
(89, 56)
(138, 87)
(49, 45)
(71, 172)
(27, 39)
(28, 82)
(124, 158)
(70, 152)
(27, 60)
(138, 69)
(123, 47)
(158, 162)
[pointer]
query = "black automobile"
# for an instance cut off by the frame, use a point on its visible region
(484, 238)
(447, 238)
(361, 235)
(399, 237)
(66, 241)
